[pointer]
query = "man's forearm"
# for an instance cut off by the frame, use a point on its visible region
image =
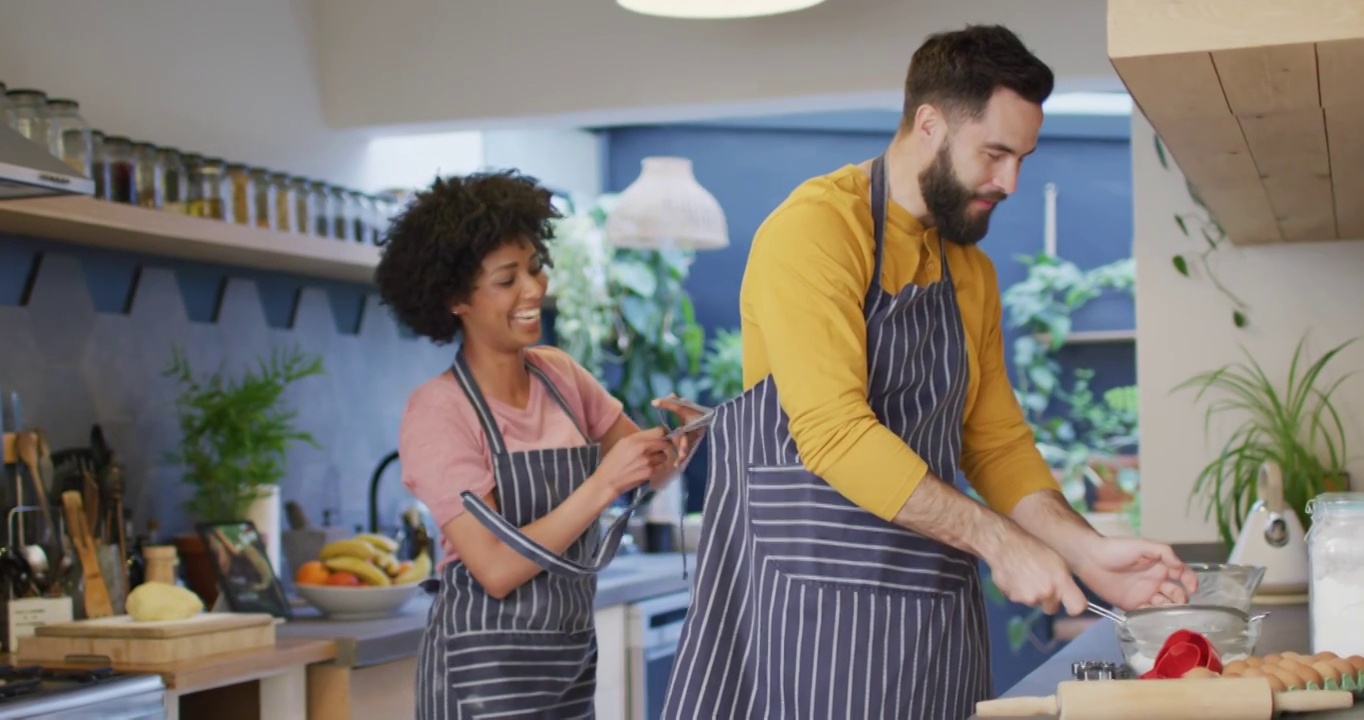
(1049, 517)
(942, 512)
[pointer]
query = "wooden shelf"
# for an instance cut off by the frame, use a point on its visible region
(1258, 103)
(115, 226)
(1092, 337)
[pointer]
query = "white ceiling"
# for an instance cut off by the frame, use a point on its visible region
(421, 65)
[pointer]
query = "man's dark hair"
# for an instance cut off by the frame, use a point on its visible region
(959, 71)
(434, 249)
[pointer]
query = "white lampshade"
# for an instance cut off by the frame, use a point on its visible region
(715, 9)
(665, 207)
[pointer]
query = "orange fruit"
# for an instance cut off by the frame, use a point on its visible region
(312, 573)
(344, 578)
(403, 567)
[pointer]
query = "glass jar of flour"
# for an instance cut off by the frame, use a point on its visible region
(1335, 547)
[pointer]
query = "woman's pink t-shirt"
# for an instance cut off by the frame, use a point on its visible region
(442, 447)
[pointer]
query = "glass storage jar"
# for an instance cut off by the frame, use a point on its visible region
(6, 107)
(304, 209)
(72, 133)
(284, 202)
(175, 181)
(1335, 550)
(99, 171)
(320, 202)
(118, 168)
(342, 215)
(30, 118)
(263, 198)
(151, 189)
(240, 194)
(207, 181)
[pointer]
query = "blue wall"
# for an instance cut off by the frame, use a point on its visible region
(751, 165)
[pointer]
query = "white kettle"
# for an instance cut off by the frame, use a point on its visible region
(1273, 538)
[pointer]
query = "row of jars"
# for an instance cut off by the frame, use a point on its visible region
(139, 173)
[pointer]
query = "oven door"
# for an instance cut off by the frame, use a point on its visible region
(655, 627)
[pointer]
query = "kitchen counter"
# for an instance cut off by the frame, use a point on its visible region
(362, 643)
(1286, 629)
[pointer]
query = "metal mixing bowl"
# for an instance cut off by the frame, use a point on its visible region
(1230, 630)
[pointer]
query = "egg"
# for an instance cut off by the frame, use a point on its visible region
(1253, 661)
(1329, 672)
(1199, 672)
(1272, 659)
(1235, 672)
(1346, 670)
(1306, 675)
(1274, 680)
(1324, 655)
(1357, 661)
(1235, 666)
(1288, 678)
(1290, 655)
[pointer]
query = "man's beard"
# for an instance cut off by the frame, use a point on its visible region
(949, 201)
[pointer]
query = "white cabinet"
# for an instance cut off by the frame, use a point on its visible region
(612, 681)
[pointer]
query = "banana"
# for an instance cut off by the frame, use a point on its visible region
(421, 567)
(386, 562)
(383, 543)
(347, 548)
(368, 574)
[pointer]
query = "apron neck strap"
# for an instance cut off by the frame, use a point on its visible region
(460, 369)
(879, 193)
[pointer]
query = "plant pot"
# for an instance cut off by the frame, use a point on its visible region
(1339, 482)
(197, 564)
(1109, 497)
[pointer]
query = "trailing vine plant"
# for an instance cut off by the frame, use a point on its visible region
(1212, 234)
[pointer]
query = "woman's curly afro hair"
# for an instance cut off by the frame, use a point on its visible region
(434, 248)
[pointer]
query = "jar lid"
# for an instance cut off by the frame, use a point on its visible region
(1336, 502)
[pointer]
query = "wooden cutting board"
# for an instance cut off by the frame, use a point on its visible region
(123, 640)
(124, 626)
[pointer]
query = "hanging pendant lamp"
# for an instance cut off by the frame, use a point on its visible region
(665, 207)
(715, 9)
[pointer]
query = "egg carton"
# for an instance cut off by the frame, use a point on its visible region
(1352, 682)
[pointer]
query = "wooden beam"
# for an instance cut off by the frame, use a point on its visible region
(1258, 104)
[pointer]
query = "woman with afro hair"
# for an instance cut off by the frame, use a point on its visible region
(516, 450)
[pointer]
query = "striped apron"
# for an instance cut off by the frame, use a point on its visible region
(807, 606)
(532, 654)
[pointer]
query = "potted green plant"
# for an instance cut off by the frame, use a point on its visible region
(1087, 440)
(234, 438)
(1296, 426)
(624, 313)
(723, 365)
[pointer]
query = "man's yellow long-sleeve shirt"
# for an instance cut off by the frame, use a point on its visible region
(801, 305)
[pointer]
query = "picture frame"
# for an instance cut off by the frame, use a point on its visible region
(246, 578)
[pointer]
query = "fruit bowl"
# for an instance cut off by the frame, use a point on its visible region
(360, 577)
(357, 603)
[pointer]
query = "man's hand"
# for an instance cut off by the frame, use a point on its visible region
(1128, 572)
(1134, 572)
(1029, 573)
(1023, 567)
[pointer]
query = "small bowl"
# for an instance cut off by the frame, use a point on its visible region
(1226, 585)
(357, 603)
(1232, 632)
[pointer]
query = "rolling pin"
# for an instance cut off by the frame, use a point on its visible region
(1183, 699)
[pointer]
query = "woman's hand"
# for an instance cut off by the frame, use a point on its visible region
(686, 414)
(632, 461)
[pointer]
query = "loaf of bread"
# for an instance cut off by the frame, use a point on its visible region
(1294, 671)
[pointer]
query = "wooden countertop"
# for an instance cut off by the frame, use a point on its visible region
(225, 668)
(1285, 629)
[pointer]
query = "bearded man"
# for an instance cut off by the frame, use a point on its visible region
(837, 566)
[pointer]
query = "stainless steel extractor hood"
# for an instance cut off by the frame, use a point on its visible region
(28, 170)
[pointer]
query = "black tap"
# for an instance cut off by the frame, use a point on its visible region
(374, 490)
